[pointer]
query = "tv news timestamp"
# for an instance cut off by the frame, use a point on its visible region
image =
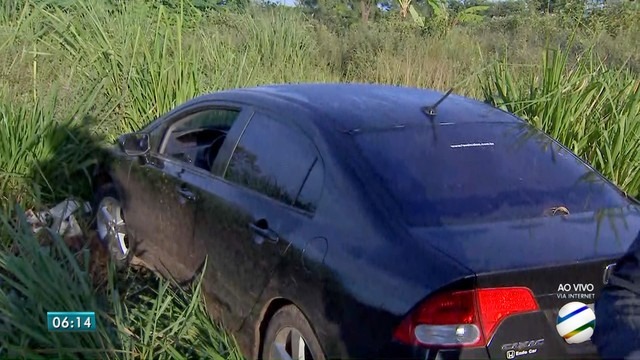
(71, 321)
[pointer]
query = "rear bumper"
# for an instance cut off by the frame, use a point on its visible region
(402, 352)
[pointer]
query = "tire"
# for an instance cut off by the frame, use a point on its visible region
(287, 325)
(117, 240)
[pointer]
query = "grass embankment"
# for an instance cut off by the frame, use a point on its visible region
(76, 77)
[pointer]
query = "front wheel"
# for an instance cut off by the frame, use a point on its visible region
(289, 337)
(111, 227)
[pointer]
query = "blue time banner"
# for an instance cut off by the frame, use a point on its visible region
(71, 321)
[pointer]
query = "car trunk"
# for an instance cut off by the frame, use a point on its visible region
(562, 259)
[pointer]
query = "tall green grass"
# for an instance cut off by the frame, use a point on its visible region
(74, 77)
(45, 152)
(156, 65)
(590, 108)
(40, 279)
(139, 316)
(146, 72)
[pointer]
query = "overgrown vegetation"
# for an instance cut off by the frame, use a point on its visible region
(138, 315)
(75, 74)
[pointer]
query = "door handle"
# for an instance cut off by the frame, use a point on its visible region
(184, 192)
(261, 228)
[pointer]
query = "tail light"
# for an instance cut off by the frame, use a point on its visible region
(463, 318)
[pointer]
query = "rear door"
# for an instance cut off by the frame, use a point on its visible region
(254, 208)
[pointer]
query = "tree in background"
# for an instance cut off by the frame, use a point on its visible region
(404, 7)
(341, 14)
(442, 15)
(506, 8)
(204, 5)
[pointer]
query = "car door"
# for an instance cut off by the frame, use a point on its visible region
(253, 210)
(182, 151)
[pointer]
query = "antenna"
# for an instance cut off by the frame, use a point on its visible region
(431, 110)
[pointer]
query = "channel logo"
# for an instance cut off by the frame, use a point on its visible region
(576, 322)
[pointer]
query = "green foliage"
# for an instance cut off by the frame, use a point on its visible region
(45, 151)
(419, 19)
(76, 75)
(10, 10)
(445, 16)
(471, 15)
(150, 60)
(506, 8)
(617, 17)
(139, 316)
(41, 279)
(340, 15)
(198, 5)
(592, 109)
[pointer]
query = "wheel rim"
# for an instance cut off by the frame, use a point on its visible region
(111, 222)
(290, 345)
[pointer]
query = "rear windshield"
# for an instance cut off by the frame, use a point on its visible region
(483, 172)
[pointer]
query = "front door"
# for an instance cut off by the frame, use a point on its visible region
(164, 200)
(157, 215)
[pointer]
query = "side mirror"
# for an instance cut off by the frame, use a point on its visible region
(134, 144)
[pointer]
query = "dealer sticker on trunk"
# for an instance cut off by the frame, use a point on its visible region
(520, 348)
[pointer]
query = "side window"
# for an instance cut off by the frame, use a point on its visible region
(276, 160)
(197, 138)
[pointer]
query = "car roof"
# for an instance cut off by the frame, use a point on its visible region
(349, 106)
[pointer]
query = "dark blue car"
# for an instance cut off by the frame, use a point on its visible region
(361, 221)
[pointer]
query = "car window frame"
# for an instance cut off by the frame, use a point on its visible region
(318, 161)
(287, 121)
(165, 125)
(171, 127)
